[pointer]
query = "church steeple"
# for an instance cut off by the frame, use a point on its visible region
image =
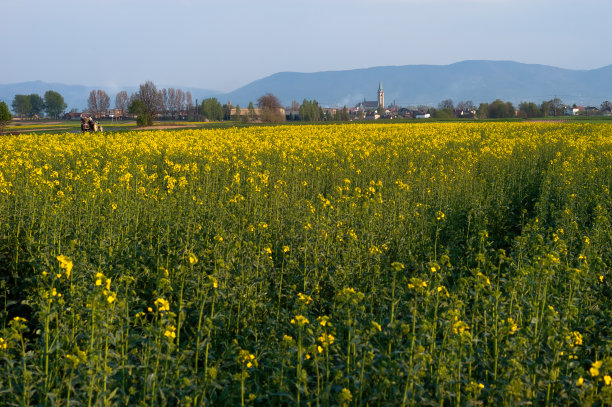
(381, 95)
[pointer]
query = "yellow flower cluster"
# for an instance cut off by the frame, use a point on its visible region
(66, 264)
(102, 280)
(162, 305)
(574, 338)
(304, 299)
(247, 359)
(170, 332)
(300, 320)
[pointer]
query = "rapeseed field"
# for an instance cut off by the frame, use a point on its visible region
(340, 265)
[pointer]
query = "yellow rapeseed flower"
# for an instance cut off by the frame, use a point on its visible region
(192, 258)
(162, 304)
(305, 299)
(65, 264)
(170, 332)
(594, 370)
(300, 320)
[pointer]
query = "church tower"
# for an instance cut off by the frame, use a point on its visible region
(381, 95)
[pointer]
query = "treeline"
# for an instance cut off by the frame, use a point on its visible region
(499, 109)
(168, 103)
(34, 105)
(270, 110)
(310, 111)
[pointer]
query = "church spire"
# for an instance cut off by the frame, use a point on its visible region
(381, 95)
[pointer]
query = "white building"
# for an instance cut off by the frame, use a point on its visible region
(571, 111)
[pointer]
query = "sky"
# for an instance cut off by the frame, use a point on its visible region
(224, 44)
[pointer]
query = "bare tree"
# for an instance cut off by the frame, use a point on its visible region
(171, 101)
(180, 100)
(151, 98)
(189, 99)
(121, 102)
(465, 105)
(164, 94)
(270, 108)
(132, 98)
(556, 106)
(446, 104)
(146, 103)
(98, 102)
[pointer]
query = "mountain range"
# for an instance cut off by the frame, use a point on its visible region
(409, 85)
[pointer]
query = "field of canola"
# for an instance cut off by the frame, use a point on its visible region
(347, 265)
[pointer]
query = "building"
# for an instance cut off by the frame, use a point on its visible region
(372, 104)
(571, 111)
(244, 111)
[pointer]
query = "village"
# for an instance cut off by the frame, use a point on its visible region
(178, 105)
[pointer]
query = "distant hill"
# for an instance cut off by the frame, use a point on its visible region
(76, 96)
(410, 85)
(478, 81)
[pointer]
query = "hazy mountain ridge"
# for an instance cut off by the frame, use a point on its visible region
(479, 81)
(408, 85)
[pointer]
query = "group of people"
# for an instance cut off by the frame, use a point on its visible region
(89, 124)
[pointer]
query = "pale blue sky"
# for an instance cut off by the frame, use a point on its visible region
(223, 45)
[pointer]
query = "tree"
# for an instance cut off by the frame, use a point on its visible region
(309, 111)
(211, 109)
(54, 104)
(446, 113)
(344, 115)
(37, 105)
(483, 111)
(270, 109)
(545, 108)
(121, 102)
(151, 103)
(529, 109)
(556, 106)
(499, 109)
(5, 116)
(21, 105)
(465, 105)
(236, 115)
(605, 105)
(165, 102)
(446, 104)
(98, 102)
(179, 103)
(189, 101)
(251, 112)
(139, 109)
(227, 111)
